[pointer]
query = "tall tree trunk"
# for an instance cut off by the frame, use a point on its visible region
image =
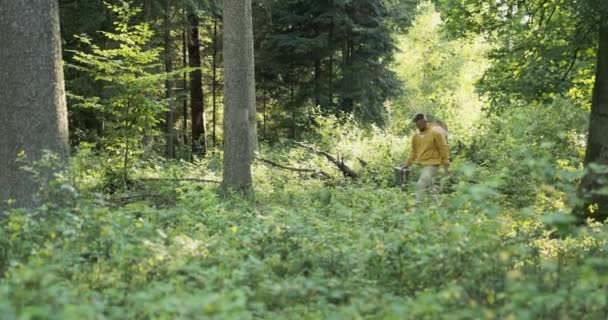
(292, 129)
(147, 15)
(148, 137)
(168, 84)
(330, 80)
(185, 89)
(214, 84)
(330, 67)
(264, 101)
(317, 82)
(32, 93)
(199, 142)
(597, 143)
(347, 100)
(239, 95)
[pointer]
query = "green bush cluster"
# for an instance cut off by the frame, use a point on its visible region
(300, 248)
(523, 143)
(499, 245)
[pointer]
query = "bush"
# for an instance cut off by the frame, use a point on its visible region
(523, 142)
(301, 248)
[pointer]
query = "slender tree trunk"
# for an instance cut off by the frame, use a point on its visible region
(199, 143)
(596, 205)
(32, 93)
(344, 86)
(239, 95)
(148, 137)
(147, 15)
(168, 84)
(317, 82)
(330, 68)
(330, 80)
(352, 75)
(347, 73)
(292, 132)
(264, 116)
(126, 128)
(185, 89)
(214, 78)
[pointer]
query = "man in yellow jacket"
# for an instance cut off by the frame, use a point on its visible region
(430, 150)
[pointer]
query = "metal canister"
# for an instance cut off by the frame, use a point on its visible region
(401, 175)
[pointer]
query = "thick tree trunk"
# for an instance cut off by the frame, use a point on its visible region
(597, 143)
(168, 84)
(199, 143)
(32, 94)
(239, 95)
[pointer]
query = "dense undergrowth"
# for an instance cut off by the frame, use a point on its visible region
(496, 244)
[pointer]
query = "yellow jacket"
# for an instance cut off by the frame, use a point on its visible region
(429, 147)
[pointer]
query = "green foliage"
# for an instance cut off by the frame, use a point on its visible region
(439, 76)
(300, 249)
(369, 151)
(524, 144)
(50, 176)
(329, 54)
(132, 101)
(306, 247)
(541, 49)
(500, 243)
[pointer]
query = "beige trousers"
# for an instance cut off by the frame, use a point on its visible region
(425, 182)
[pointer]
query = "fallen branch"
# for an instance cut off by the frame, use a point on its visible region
(178, 180)
(346, 170)
(278, 165)
(120, 201)
(362, 162)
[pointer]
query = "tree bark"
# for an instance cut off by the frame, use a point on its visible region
(214, 84)
(330, 82)
(317, 83)
(264, 102)
(347, 73)
(292, 105)
(330, 68)
(168, 84)
(239, 95)
(185, 89)
(148, 137)
(32, 93)
(199, 143)
(597, 142)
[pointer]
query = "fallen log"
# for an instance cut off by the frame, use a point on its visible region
(121, 201)
(178, 180)
(278, 165)
(339, 162)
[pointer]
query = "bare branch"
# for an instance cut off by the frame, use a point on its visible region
(177, 180)
(278, 165)
(346, 170)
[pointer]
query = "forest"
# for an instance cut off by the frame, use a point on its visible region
(304, 159)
